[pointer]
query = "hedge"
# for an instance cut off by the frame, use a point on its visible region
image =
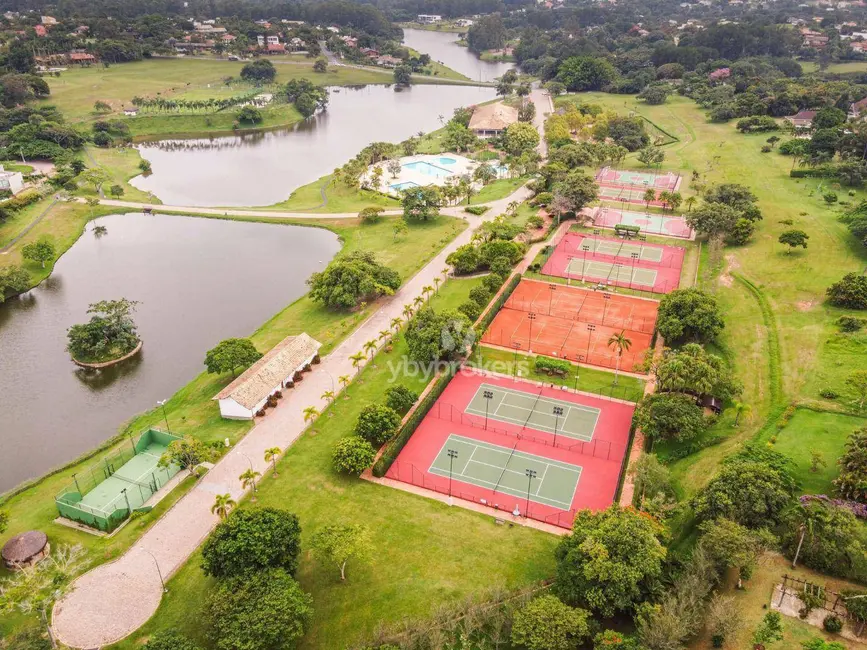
(552, 366)
(405, 433)
(488, 316)
(477, 209)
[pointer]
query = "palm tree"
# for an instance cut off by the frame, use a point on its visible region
(446, 270)
(807, 519)
(248, 480)
(328, 396)
(384, 334)
(344, 380)
(370, 347)
(427, 290)
(271, 455)
(418, 302)
(357, 358)
(512, 208)
(310, 414)
(741, 408)
(407, 311)
(437, 282)
(396, 322)
(689, 201)
(222, 505)
(620, 343)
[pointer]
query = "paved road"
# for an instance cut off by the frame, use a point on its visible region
(113, 600)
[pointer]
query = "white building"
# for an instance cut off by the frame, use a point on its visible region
(11, 181)
(276, 370)
(429, 19)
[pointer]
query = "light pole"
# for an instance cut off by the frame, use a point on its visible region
(488, 395)
(517, 347)
(586, 249)
(531, 474)
(553, 288)
(453, 453)
(160, 573)
(606, 298)
(558, 411)
(634, 257)
(531, 317)
(590, 328)
(162, 403)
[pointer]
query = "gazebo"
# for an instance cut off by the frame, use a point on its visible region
(25, 549)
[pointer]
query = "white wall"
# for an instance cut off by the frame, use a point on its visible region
(231, 410)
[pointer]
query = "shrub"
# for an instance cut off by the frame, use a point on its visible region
(830, 197)
(552, 366)
(850, 323)
(493, 282)
(471, 309)
(371, 214)
(481, 295)
(353, 455)
(400, 398)
(465, 259)
(501, 266)
(832, 624)
(477, 209)
(543, 198)
(828, 393)
(850, 292)
(377, 423)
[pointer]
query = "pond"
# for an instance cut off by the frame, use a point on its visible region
(443, 47)
(199, 281)
(264, 168)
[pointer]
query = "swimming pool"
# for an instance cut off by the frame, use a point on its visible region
(447, 161)
(424, 167)
(404, 186)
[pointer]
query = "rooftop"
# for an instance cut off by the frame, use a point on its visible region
(493, 117)
(24, 546)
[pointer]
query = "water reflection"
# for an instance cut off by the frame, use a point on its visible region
(442, 47)
(198, 280)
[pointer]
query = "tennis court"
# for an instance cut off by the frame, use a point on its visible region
(655, 224)
(616, 262)
(666, 181)
(508, 471)
(628, 194)
(531, 410)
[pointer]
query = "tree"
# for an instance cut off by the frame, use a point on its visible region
(248, 480)
(732, 546)
(166, 640)
(259, 72)
(371, 214)
(769, 631)
(651, 156)
(253, 540)
(95, 176)
(649, 196)
(619, 342)
(577, 190)
(852, 482)
(116, 191)
(403, 75)
(580, 73)
(850, 292)
(4, 521)
(110, 333)
(377, 423)
(100, 106)
(465, 259)
(310, 414)
(400, 398)
(185, 453)
(691, 369)
(352, 278)
(714, 219)
(670, 416)
(223, 504)
(421, 203)
(484, 173)
(249, 114)
(545, 623)
(399, 228)
(357, 359)
(741, 408)
(825, 538)
(41, 251)
(231, 355)
(689, 315)
(723, 619)
(520, 137)
(271, 456)
(336, 545)
(458, 137)
(857, 381)
(352, 455)
(793, 239)
(612, 561)
(13, 279)
(435, 337)
(261, 610)
(320, 66)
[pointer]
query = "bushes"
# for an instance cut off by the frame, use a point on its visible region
(471, 309)
(757, 124)
(400, 398)
(552, 366)
(689, 314)
(832, 624)
(481, 295)
(377, 423)
(850, 292)
(353, 455)
(464, 260)
(850, 324)
(501, 300)
(477, 210)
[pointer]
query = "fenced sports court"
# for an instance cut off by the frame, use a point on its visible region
(653, 224)
(626, 194)
(617, 262)
(106, 493)
(574, 324)
(486, 459)
(627, 178)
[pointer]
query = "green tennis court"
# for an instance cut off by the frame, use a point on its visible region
(622, 273)
(140, 477)
(503, 469)
(607, 192)
(622, 249)
(535, 412)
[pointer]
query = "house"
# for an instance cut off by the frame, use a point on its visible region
(279, 368)
(296, 44)
(492, 119)
(81, 58)
(719, 74)
(464, 22)
(387, 61)
(370, 52)
(275, 48)
(228, 38)
(272, 40)
(813, 38)
(429, 19)
(11, 181)
(857, 108)
(858, 46)
(132, 111)
(802, 119)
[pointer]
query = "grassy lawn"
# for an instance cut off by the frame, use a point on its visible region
(159, 126)
(12, 166)
(191, 409)
(752, 601)
(438, 70)
(498, 189)
(791, 286)
(589, 380)
(426, 552)
(121, 163)
(825, 433)
(338, 196)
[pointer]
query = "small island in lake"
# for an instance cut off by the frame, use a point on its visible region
(108, 337)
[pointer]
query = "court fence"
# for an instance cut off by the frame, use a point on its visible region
(407, 472)
(599, 222)
(642, 324)
(587, 254)
(109, 516)
(603, 449)
(653, 292)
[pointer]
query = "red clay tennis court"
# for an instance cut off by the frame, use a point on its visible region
(627, 178)
(508, 456)
(574, 324)
(654, 224)
(617, 262)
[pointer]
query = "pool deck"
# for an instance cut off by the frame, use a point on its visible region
(435, 169)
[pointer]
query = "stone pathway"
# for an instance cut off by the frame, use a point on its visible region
(115, 599)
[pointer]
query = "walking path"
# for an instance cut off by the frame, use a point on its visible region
(115, 599)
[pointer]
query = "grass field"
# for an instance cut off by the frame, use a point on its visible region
(338, 198)
(426, 552)
(122, 165)
(844, 67)
(791, 287)
(191, 409)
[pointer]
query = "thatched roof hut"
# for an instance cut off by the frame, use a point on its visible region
(25, 549)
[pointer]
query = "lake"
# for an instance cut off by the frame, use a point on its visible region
(199, 281)
(443, 47)
(264, 168)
